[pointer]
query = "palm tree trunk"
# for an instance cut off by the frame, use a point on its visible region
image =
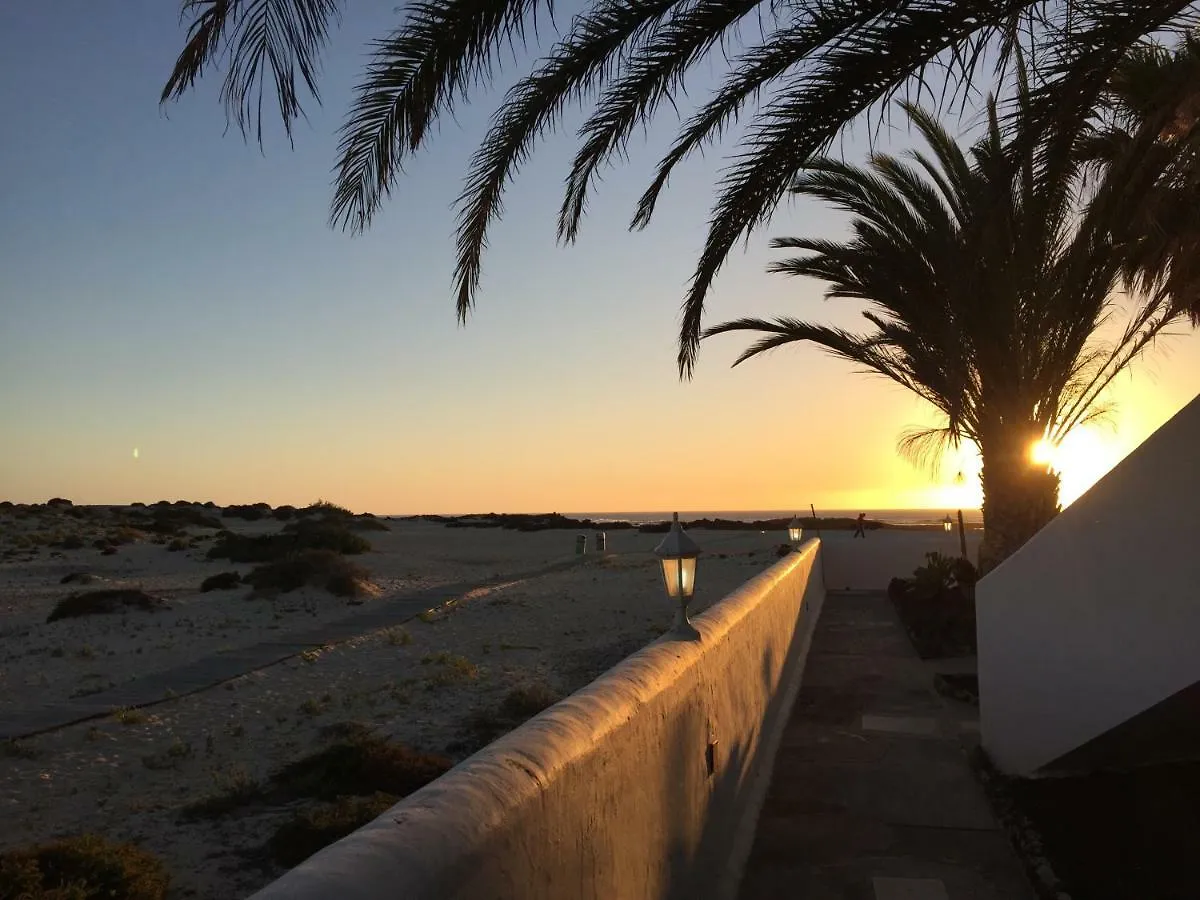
(1019, 496)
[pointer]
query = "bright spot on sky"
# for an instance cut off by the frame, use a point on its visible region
(1082, 459)
(135, 452)
(1043, 452)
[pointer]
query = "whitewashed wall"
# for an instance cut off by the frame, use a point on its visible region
(608, 794)
(1098, 617)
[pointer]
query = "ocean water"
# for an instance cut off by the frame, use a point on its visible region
(891, 516)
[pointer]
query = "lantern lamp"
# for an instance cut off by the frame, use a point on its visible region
(677, 554)
(795, 532)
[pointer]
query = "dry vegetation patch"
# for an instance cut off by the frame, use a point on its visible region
(102, 602)
(82, 868)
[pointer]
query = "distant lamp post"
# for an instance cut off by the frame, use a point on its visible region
(947, 523)
(795, 532)
(677, 554)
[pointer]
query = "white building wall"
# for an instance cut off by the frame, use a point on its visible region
(1098, 617)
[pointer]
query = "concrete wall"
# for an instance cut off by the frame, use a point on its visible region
(1097, 618)
(608, 794)
(870, 563)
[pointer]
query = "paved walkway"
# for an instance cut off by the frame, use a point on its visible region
(872, 797)
(210, 671)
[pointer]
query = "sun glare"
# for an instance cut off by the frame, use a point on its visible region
(1043, 453)
(1082, 459)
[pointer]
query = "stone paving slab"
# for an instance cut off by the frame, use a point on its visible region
(909, 889)
(209, 671)
(871, 813)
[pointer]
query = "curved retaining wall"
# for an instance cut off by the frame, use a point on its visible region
(607, 794)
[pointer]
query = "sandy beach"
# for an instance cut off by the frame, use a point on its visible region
(436, 683)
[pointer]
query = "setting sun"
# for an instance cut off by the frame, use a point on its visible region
(1082, 458)
(1043, 452)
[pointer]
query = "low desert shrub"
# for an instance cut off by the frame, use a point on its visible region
(71, 542)
(222, 581)
(270, 547)
(130, 715)
(176, 545)
(397, 636)
(360, 766)
(170, 758)
(520, 704)
(87, 867)
(324, 508)
(313, 829)
(317, 568)
(171, 520)
(284, 513)
(59, 501)
(450, 669)
(527, 700)
(18, 749)
(233, 790)
(251, 512)
(110, 600)
(126, 535)
(368, 523)
(77, 578)
(315, 706)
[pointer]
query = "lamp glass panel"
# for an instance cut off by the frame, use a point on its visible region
(679, 577)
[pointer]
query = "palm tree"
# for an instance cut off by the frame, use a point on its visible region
(1146, 145)
(798, 70)
(984, 284)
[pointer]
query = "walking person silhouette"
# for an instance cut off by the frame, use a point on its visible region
(859, 526)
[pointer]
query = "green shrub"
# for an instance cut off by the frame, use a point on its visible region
(82, 868)
(314, 829)
(318, 568)
(222, 581)
(940, 574)
(176, 545)
(110, 600)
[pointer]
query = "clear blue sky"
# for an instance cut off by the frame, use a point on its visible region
(168, 287)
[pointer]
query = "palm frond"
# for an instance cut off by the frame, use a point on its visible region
(867, 67)
(925, 448)
(415, 75)
(651, 75)
(530, 108)
(270, 42)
